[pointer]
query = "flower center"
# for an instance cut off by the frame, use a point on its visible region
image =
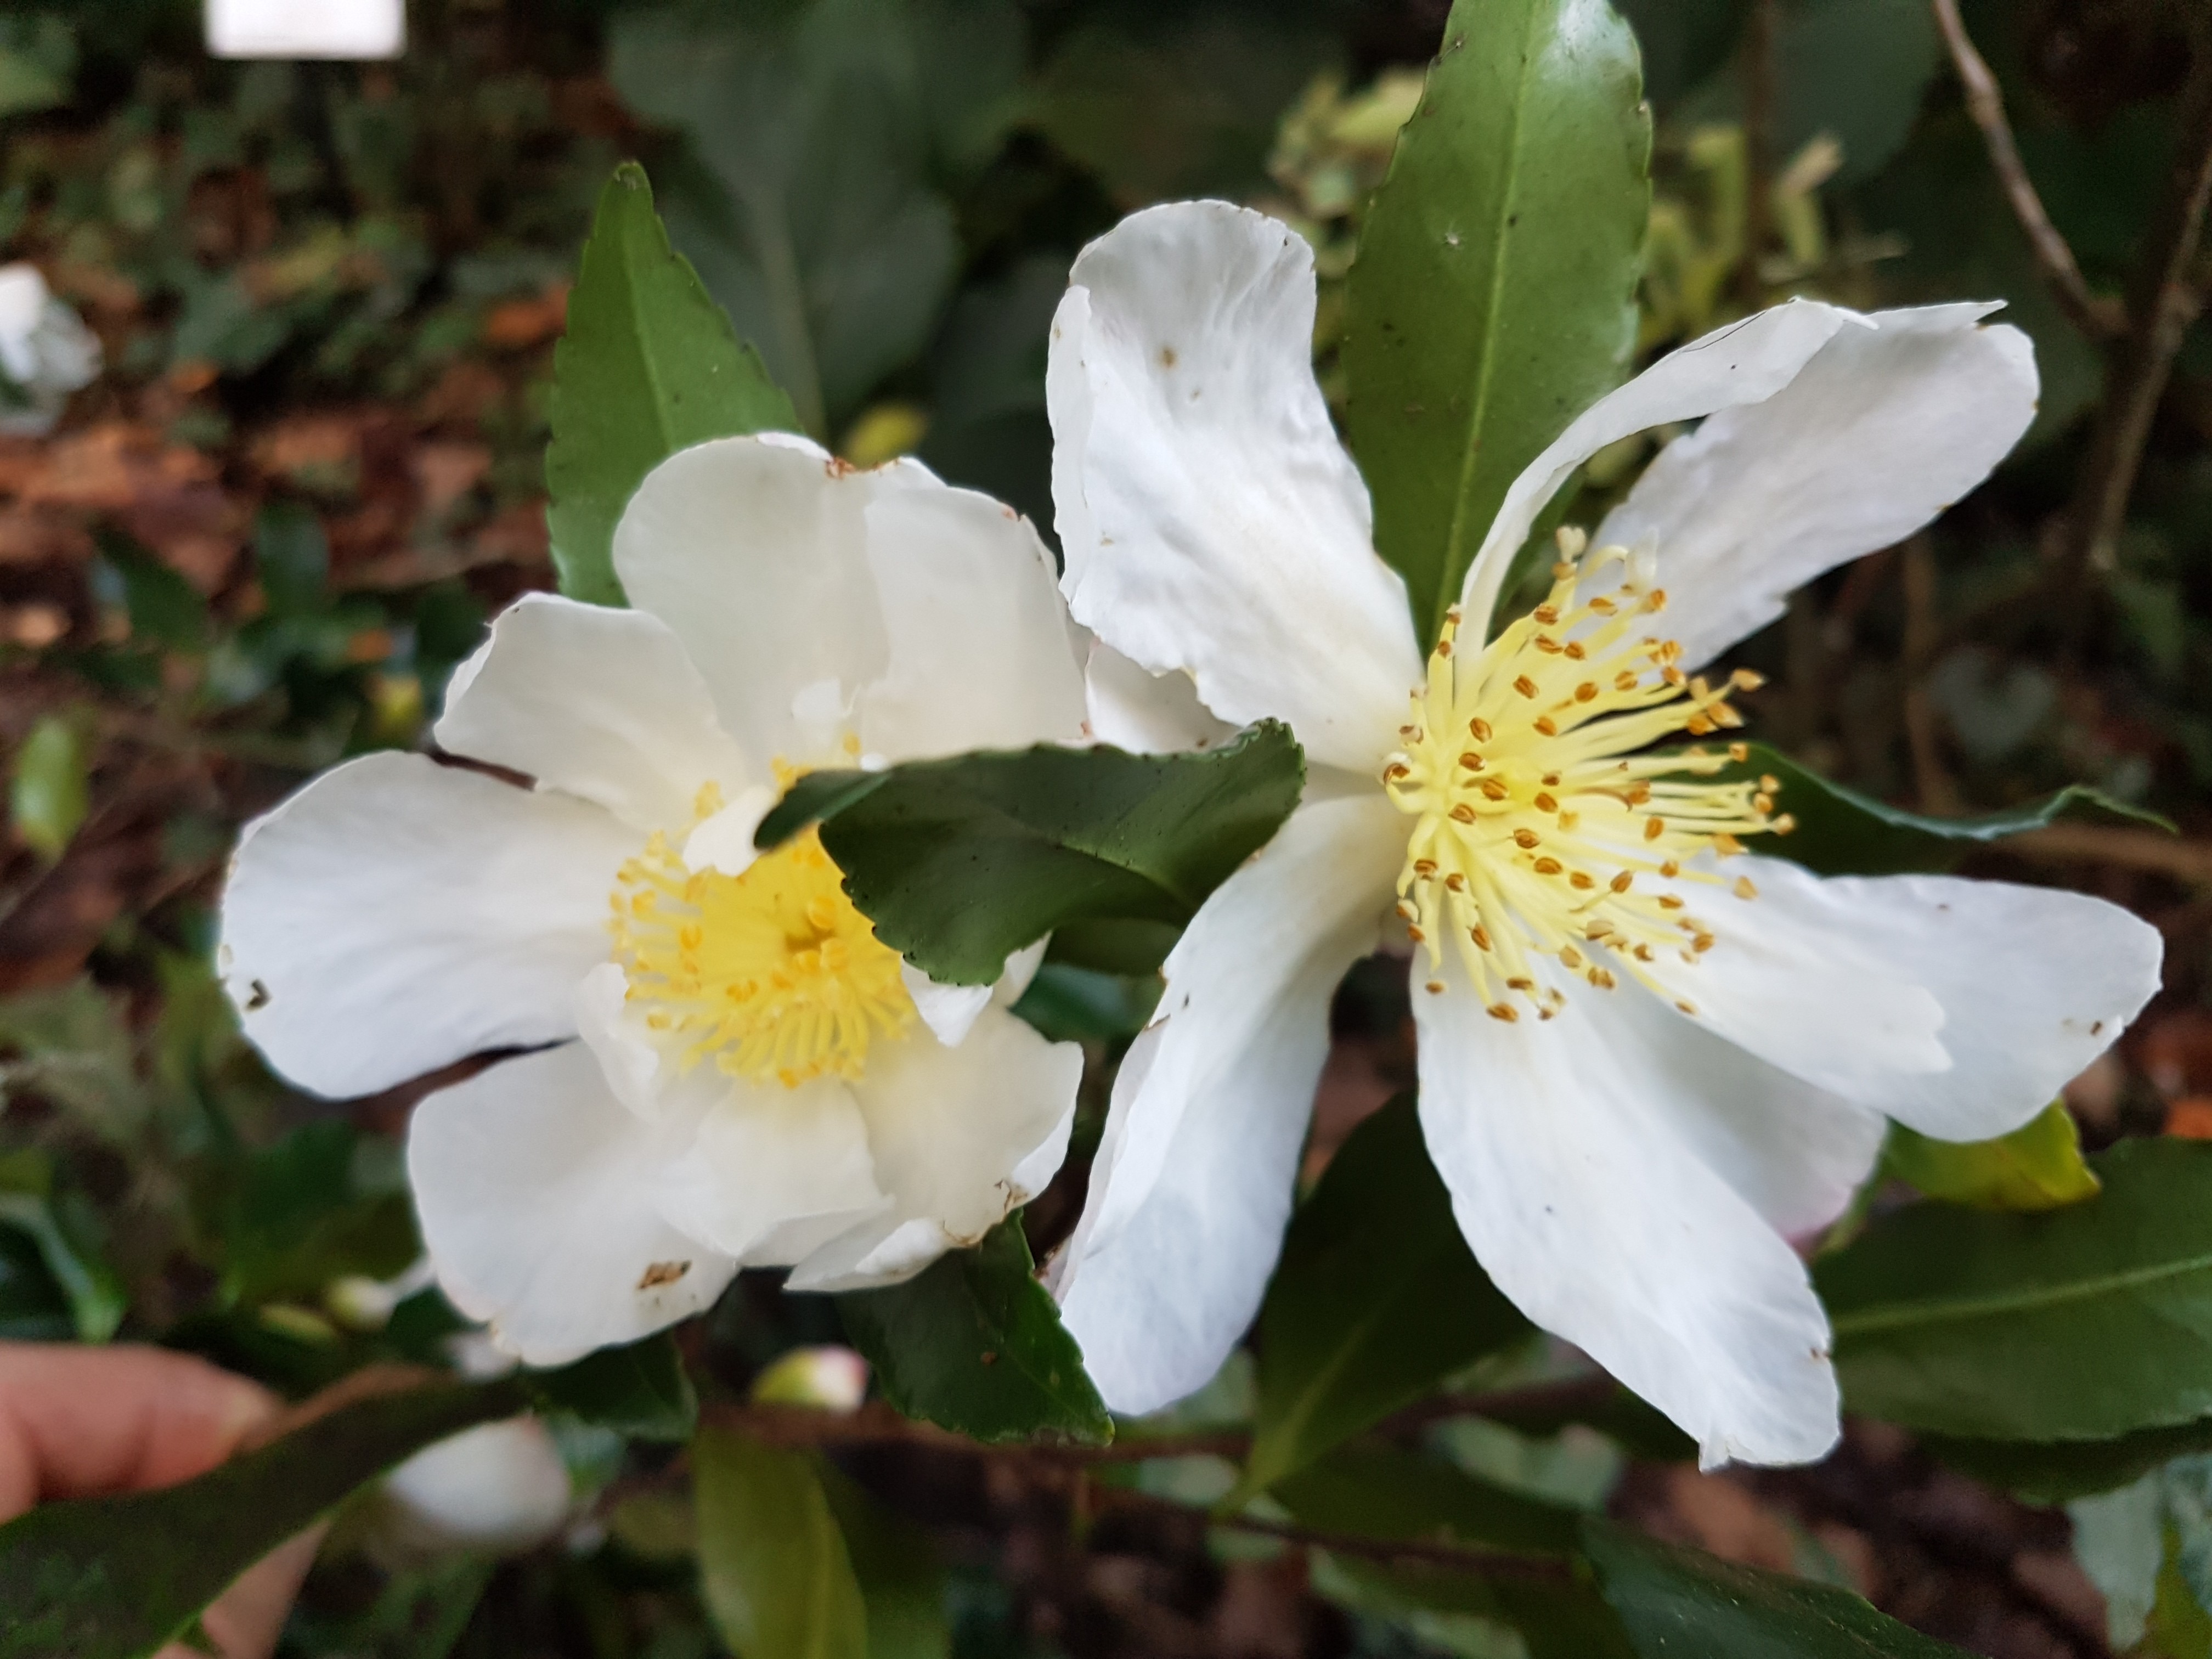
(1536, 815)
(772, 972)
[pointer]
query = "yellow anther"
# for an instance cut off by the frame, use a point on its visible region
(772, 974)
(1743, 889)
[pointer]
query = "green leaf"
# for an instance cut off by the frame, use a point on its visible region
(165, 609)
(50, 791)
(772, 1563)
(32, 1306)
(38, 63)
(1492, 298)
(641, 1390)
(1376, 1300)
(650, 366)
(322, 1202)
(1638, 1427)
(96, 1296)
(291, 557)
(1462, 1611)
(895, 1561)
(973, 1343)
(1681, 1604)
(806, 197)
(960, 862)
(1376, 1491)
(2057, 1471)
(1841, 832)
(2083, 1323)
(2038, 1166)
(115, 1578)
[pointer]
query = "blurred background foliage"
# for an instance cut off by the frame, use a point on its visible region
(328, 295)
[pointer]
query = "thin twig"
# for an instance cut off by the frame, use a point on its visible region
(1758, 98)
(877, 1424)
(1426, 1551)
(2164, 297)
(2098, 317)
(2187, 861)
(1931, 780)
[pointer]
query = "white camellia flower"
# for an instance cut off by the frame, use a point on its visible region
(45, 351)
(760, 1080)
(497, 1489)
(1648, 1056)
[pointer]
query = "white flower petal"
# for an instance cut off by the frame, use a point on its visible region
(1210, 519)
(1880, 430)
(1145, 712)
(397, 914)
(1021, 967)
(1738, 363)
(983, 655)
(813, 594)
(725, 842)
(961, 1135)
(1193, 1181)
(599, 703)
(620, 1039)
(534, 1188)
(2022, 988)
(773, 1171)
(950, 1011)
(754, 552)
(499, 1488)
(1576, 1151)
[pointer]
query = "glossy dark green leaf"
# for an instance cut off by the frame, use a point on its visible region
(959, 863)
(1376, 1300)
(1371, 1490)
(2058, 1471)
(95, 1294)
(1075, 1005)
(1841, 832)
(816, 139)
(650, 366)
(1492, 298)
(2084, 1324)
(895, 1561)
(33, 1307)
(164, 609)
(1639, 1428)
(641, 1390)
(2038, 1166)
(1557, 1616)
(320, 1203)
(115, 1578)
(49, 787)
(975, 1344)
(291, 557)
(773, 1565)
(1681, 1604)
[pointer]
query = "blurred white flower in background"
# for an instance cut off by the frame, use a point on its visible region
(727, 1066)
(45, 352)
(306, 28)
(497, 1489)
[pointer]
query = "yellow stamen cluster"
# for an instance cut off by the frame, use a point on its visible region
(1538, 816)
(772, 972)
